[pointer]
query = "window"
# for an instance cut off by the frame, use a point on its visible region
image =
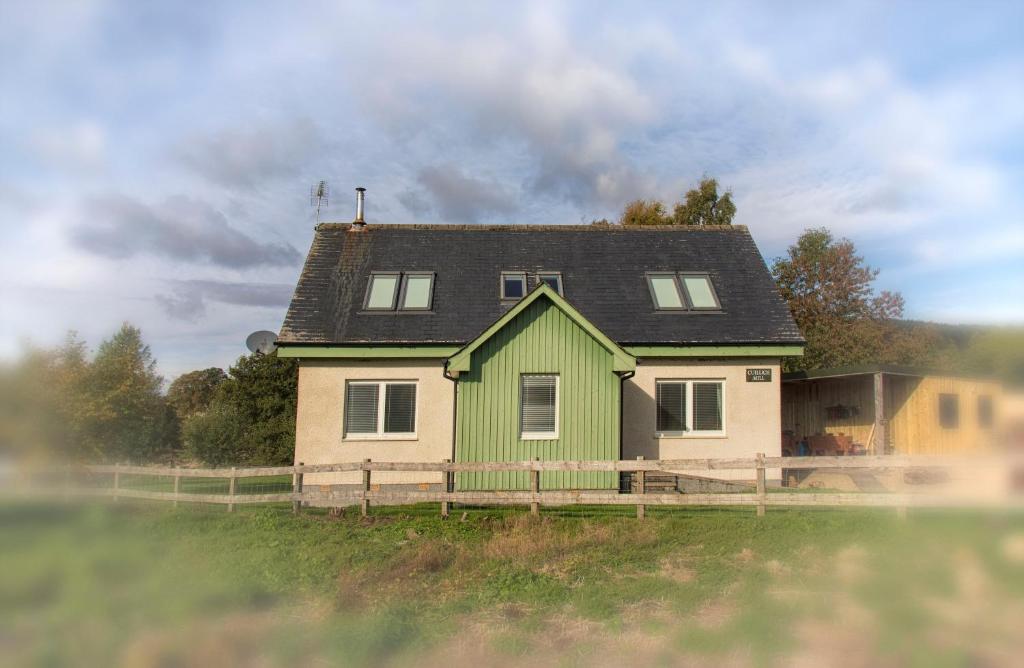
(417, 289)
(551, 279)
(682, 292)
(513, 285)
(665, 291)
(949, 411)
(411, 291)
(376, 409)
(538, 406)
(380, 294)
(699, 292)
(690, 407)
(985, 413)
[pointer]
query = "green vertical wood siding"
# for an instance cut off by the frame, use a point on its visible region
(541, 339)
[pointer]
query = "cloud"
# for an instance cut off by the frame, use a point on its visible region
(247, 158)
(187, 299)
(80, 146)
(529, 87)
(456, 196)
(181, 228)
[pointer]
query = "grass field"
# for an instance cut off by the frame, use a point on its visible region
(140, 584)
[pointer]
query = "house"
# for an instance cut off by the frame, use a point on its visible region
(883, 409)
(496, 343)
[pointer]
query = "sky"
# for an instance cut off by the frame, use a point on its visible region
(156, 158)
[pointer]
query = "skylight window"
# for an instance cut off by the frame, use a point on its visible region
(513, 285)
(417, 290)
(392, 290)
(665, 291)
(683, 292)
(699, 292)
(552, 279)
(380, 294)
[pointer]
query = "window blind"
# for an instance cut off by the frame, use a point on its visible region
(539, 401)
(361, 402)
(400, 408)
(707, 406)
(671, 400)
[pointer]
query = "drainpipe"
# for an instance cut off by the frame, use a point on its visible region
(455, 403)
(623, 377)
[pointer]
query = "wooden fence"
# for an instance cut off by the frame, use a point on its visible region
(365, 495)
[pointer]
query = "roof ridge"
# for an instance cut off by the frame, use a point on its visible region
(460, 227)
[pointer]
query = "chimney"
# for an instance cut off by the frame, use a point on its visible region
(359, 222)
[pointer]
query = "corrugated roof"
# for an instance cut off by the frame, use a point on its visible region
(603, 272)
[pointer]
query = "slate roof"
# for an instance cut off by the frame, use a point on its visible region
(603, 274)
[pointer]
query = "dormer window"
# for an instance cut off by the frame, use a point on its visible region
(513, 284)
(682, 292)
(552, 279)
(390, 290)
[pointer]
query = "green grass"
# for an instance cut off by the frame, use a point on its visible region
(142, 584)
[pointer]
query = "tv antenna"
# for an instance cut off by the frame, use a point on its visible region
(318, 196)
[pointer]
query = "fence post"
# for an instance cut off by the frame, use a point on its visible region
(231, 491)
(297, 489)
(446, 479)
(177, 486)
(365, 506)
(535, 489)
(641, 488)
(760, 485)
(117, 480)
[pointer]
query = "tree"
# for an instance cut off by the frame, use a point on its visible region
(644, 212)
(700, 206)
(192, 392)
(122, 413)
(251, 419)
(40, 399)
(703, 206)
(830, 292)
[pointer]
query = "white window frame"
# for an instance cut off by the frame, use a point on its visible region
(557, 275)
(541, 435)
(689, 432)
(520, 274)
(380, 434)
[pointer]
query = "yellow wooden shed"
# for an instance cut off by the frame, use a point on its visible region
(880, 409)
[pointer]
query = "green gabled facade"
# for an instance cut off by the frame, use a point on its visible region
(541, 334)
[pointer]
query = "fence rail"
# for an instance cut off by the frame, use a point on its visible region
(365, 494)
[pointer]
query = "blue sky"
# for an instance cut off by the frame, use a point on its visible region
(156, 159)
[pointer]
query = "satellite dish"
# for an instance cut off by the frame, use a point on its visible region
(262, 342)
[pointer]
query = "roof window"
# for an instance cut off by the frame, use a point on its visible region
(682, 292)
(552, 279)
(513, 284)
(390, 290)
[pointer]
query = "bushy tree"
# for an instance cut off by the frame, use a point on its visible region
(122, 415)
(703, 206)
(192, 393)
(831, 294)
(644, 212)
(700, 206)
(40, 400)
(251, 419)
